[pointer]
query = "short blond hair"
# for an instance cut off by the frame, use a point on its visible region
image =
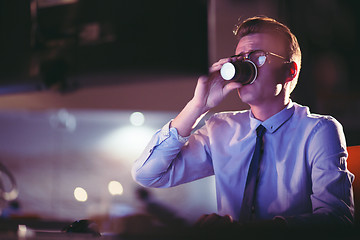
(263, 24)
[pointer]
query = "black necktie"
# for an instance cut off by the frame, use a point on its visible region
(248, 204)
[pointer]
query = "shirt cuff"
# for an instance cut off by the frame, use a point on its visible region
(167, 131)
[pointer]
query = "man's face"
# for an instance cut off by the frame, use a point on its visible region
(268, 86)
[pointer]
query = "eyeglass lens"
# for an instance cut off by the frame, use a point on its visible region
(257, 57)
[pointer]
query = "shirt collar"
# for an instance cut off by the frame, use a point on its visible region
(274, 122)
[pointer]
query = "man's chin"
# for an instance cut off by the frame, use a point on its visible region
(245, 97)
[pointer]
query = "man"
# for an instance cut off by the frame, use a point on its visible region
(301, 175)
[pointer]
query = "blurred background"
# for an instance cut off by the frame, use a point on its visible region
(85, 83)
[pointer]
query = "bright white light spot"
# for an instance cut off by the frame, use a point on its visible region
(137, 119)
(80, 194)
(115, 188)
(127, 142)
(262, 60)
(22, 231)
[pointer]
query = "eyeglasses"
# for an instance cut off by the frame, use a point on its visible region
(258, 57)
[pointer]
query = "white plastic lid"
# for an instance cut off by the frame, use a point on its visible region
(227, 71)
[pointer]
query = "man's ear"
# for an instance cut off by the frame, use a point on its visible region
(291, 71)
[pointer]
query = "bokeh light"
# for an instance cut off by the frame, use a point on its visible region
(80, 194)
(137, 119)
(115, 188)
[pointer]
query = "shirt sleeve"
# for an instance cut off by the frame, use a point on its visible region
(170, 159)
(332, 193)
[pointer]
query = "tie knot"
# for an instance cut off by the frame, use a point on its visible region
(260, 130)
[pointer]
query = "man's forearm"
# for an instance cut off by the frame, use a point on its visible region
(188, 118)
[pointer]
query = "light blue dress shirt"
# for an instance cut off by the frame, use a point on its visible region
(303, 175)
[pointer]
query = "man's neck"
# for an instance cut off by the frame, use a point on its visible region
(267, 110)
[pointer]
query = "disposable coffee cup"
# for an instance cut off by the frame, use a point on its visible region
(244, 72)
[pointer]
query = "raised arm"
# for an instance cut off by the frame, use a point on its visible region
(209, 92)
(166, 161)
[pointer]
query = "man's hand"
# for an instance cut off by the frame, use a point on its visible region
(211, 90)
(214, 220)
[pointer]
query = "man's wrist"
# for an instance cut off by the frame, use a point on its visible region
(196, 108)
(187, 119)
